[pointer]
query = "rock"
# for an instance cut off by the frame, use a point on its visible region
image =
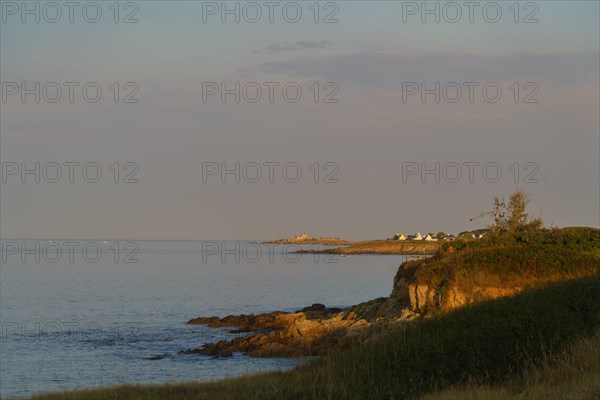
(244, 322)
(422, 298)
(318, 307)
(311, 332)
(315, 307)
(316, 330)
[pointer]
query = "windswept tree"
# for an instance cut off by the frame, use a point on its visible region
(518, 216)
(512, 216)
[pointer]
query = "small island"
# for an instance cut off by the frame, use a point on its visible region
(305, 238)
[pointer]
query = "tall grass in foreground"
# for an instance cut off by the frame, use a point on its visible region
(573, 375)
(487, 343)
(490, 344)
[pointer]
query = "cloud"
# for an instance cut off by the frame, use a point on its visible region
(381, 70)
(302, 45)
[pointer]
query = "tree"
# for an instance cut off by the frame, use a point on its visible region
(512, 216)
(516, 207)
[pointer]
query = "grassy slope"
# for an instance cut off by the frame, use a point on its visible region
(575, 375)
(489, 344)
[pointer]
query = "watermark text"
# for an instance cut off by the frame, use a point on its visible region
(469, 172)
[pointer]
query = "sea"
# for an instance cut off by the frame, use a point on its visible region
(80, 313)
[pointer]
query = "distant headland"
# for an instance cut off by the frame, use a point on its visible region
(335, 245)
(305, 238)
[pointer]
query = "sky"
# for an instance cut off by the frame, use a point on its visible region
(375, 154)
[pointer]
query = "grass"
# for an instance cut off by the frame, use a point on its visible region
(520, 259)
(574, 374)
(488, 344)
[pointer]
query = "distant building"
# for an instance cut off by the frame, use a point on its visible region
(430, 238)
(417, 236)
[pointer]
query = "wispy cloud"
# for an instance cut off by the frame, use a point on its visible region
(387, 69)
(302, 45)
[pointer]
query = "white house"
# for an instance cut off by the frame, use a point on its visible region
(429, 238)
(401, 237)
(418, 236)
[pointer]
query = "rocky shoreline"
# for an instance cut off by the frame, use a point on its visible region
(317, 330)
(459, 274)
(311, 331)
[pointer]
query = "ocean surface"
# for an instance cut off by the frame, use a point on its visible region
(82, 313)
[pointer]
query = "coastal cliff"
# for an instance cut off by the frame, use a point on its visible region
(459, 274)
(423, 298)
(463, 273)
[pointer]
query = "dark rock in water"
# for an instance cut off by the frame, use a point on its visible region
(157, 357)
(189, 351)
(223, 354)
(314, 307)
(244, 322)
(318, 307)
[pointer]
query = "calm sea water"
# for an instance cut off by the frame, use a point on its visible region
(74, 319)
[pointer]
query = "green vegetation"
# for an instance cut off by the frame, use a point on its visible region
(573, 375)
(515, 252)
(491, 343)
(512, 216)
(522, 258)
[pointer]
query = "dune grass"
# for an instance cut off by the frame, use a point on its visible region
(490, 344)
